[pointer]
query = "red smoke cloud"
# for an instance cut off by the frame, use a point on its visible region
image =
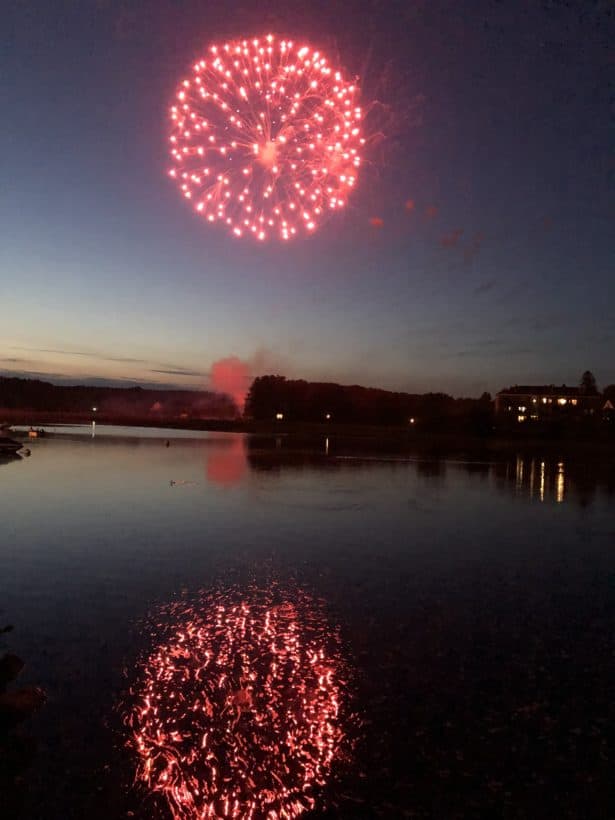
(233, 377)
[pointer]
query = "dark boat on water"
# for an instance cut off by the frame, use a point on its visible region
(9, 446)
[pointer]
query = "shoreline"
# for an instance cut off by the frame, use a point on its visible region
(367, 437)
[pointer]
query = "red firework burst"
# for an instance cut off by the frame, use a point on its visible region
(266, 137)
(236, 713)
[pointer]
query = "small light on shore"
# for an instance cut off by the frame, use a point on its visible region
(412, 421)
(279, 416)
(328, 416)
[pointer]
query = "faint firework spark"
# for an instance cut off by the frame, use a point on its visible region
(237, 711)
(473, 247)
(376, 222)
(451, 239)
(266, 137)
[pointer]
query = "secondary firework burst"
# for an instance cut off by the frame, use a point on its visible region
(266, 137)
(237, 711)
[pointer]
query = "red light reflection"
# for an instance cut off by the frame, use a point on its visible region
(227, 464)
(237, 711)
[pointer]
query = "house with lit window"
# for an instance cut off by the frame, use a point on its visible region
(527, 403)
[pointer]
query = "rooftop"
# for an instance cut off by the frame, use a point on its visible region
(539, 390)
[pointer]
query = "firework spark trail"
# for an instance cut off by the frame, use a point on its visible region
(236, 712)
(266, 137)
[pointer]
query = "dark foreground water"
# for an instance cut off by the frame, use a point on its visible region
(226, 625)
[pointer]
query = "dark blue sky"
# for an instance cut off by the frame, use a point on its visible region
(496, 125)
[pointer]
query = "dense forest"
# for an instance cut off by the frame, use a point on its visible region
(302, 401)
(113, 402)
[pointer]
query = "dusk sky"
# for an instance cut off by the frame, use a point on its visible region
(491, 118)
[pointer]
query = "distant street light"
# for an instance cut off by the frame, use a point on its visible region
(94, 409)
(279, 416)
(328, 416)
(412, 421)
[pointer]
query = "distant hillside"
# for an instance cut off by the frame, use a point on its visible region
(113, 402)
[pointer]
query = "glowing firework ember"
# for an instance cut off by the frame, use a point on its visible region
(266, 137)
(237, 711)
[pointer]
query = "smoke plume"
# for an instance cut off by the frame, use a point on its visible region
(232, 376)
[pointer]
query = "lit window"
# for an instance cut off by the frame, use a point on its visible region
(534, 399)
(522, 409)
(279, 416)
(562, 401)
(520, 418)
(544, 399)
(573, 401)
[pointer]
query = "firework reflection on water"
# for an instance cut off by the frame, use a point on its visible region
(238, 710)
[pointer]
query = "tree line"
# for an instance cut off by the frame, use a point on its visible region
(302, 401)
(112, 402)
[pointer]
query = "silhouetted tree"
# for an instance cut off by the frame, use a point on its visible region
(588, 384)
(303, 401)
(480, 415)
(267, 396)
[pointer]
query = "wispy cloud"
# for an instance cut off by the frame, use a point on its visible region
(178, 372)
(165, 368)
(260, 362)
(485, 286)
(66, 379)
(49, 350)
(480, 352)
(84, 353)
(548, 321)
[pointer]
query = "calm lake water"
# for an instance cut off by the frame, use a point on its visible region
(354, 636)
